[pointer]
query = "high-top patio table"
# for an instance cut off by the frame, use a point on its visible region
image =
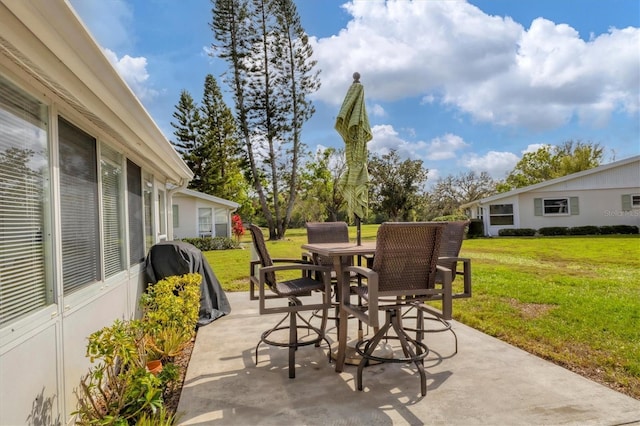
(340, 252)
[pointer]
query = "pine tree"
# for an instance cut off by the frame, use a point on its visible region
(269, 57)
(187, 134)
(222, 170)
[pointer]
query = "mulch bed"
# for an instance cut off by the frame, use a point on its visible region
(172, 393)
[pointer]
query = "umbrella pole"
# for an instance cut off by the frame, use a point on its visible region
(359, 242)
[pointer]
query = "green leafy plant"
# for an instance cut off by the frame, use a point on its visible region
(170, 314)
(118, 388)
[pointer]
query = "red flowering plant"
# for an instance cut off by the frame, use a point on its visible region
(238, 229)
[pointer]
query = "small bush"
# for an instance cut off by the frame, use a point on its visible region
(476, 228)
(553, 230)
(450, 218)
(517, 232)
(215, 243)
(170, 313)
(626, 229)
(618, 229)
(584, 230)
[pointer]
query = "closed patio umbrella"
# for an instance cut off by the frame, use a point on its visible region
(353, 125)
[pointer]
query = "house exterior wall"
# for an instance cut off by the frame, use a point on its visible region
(42, 350)
(597, 207)
(188, 207)
(598, 197)
(188, 223)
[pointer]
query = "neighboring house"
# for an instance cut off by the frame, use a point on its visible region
(196, 214)
(605, 195)
(86, 181)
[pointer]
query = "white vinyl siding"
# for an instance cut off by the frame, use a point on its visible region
(112, 210)
(25, 223)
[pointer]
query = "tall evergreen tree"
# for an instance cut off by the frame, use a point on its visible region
(235, 36)
(188, 142)
(295, 80)
(219, 136)
(269, 57)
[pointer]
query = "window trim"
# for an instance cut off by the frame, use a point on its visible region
(501, 215)
(567, 205)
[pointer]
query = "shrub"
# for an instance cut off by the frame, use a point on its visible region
(170, 313)
(584, 230)
(517, 232)
(119, 389)
(625, 229)
(450, 218)
(476, 228)
(553, 230)
(215, 243)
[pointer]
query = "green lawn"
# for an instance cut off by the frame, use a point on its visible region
(572, 300)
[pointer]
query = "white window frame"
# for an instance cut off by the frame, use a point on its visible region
(202, 224)
(501, 215)
(566, 206)
(635, 201)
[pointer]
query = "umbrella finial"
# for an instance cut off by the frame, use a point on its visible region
(356, 77)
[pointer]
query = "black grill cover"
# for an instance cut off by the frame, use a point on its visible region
(169, 258)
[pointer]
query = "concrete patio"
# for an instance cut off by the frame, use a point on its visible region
(487, 383)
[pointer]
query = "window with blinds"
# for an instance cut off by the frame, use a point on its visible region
(147, 203)
(134, 198)
(78, 207)
(112, 210)
(25, 222)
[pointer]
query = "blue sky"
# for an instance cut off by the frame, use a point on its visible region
(460, 85)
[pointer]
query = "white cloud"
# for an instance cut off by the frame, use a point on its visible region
(386, 138)
(445, 147)
(134, 72)
(497, 164)
(377, 111)
(112, 25)
(489, 67)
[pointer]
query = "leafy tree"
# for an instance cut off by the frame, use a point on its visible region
(271, 74)
(550, 162)
(319, 197)
(396, 186)
(450, 192)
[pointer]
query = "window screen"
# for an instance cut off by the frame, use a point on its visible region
(24, 205)
(134, 198)
(112, 210)
(78, 207)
